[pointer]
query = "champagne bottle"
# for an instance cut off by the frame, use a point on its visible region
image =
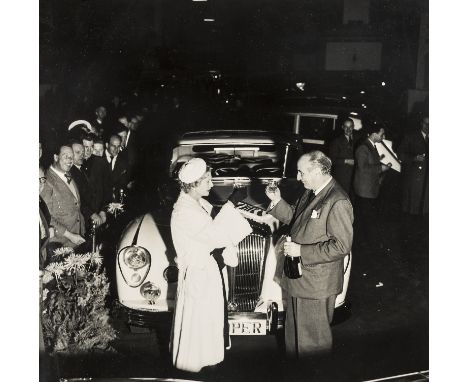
(292, 265)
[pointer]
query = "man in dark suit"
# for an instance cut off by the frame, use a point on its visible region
(99, 176)
(367, 180)
(130, 139)
(62, 197)
(321, 229)
(88, 144)
(118, 164)
(341, 152)
(128, 151)
(414, 154)
(90, 209)
(100, 121)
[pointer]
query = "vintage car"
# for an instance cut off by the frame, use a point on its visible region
(146, 270)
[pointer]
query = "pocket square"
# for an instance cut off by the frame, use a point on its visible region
(315, 214)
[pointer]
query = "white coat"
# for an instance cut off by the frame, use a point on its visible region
(197, 331)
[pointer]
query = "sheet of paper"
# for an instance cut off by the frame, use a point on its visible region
(389, 155)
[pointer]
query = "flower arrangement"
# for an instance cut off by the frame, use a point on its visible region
(115, 208)
(74, 316)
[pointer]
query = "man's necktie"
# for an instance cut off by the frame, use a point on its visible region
(69, 177)
(350, 141)
(298, 212)
(375, 149)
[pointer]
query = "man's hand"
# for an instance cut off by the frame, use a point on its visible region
(420, 158)
(274, 196)
(292, 249)
(349, 162)
(74, 238)
(96, 219)
(386, 167)
(103, 216)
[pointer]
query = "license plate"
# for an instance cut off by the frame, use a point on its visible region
(247, 327)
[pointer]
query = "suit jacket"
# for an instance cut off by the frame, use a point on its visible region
(120, 175)
(44, 217)
(339, 151)
(133, 149)
(415, 173)
(99, 176)
(84, 188)
(368, 170)
(325, 240)
(64, 208)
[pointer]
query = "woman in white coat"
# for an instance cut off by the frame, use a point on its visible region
(197, 338)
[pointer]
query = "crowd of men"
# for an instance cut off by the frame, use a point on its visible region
(92, 166)
(361, 171)
(96, 161)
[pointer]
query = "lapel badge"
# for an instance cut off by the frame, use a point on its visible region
(315, 214)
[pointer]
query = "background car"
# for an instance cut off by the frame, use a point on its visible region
(146, 271)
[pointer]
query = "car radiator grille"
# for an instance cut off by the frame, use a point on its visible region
(245, 280)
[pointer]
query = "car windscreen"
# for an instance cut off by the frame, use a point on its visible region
(249, 160)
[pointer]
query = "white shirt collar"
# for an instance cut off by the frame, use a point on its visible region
(322, 186)
(128, 136)
(372, 143)
(110, 159)
(108, 155)
(64, 178)
(60, 174)
(423, 134)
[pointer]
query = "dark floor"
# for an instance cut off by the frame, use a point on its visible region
(387, 334)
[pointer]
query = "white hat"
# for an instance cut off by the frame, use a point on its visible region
(80, 122)
(192, 170)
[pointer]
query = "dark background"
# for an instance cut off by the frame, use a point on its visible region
(256, 51)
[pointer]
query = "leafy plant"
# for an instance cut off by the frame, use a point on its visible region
(74, 317)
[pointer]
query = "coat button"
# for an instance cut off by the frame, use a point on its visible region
(78, 220)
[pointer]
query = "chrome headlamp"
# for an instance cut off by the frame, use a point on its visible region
(135, 257)
(134, 263)
(150, 292)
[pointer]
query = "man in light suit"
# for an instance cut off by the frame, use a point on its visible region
(321, 230)
(61, 195)
(367, 180)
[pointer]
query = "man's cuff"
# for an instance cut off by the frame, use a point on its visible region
(273, 204)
